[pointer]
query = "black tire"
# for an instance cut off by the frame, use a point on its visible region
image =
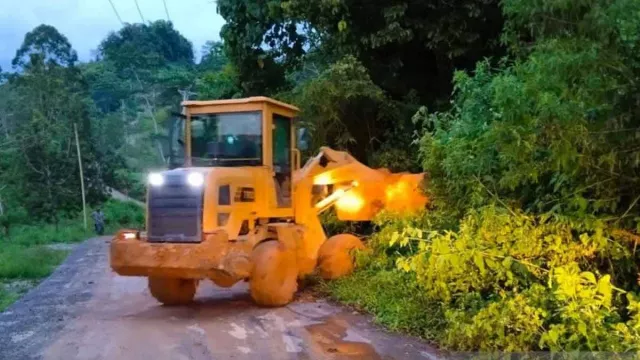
(173, 291)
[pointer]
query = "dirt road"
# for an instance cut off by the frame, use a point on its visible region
(84, 311)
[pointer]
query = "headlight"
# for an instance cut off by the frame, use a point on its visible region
(195, 179)
(156, 179)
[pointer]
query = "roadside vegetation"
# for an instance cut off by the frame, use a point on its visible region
(531, 238)
(118, 108)
(33, 251)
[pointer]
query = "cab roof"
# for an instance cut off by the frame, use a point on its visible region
(253, 99)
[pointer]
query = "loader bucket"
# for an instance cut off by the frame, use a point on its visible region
(399, 193)
(363, 191)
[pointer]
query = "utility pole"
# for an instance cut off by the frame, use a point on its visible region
(84, 202)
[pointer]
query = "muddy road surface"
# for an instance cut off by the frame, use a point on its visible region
(85, 311)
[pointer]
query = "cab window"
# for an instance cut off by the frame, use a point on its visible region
(230, 139)
(282, 158)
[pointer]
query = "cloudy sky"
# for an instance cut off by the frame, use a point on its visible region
(86, 22)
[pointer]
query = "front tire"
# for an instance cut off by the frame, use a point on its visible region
(334, 256)
(173, 291)
(273, 280)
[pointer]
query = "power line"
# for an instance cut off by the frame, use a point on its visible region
(166, 10)
(139, 11)
(116, 12)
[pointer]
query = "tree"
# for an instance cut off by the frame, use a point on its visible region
(221, 84)
(145, 47)
(217, 79)
(257, 36)
(405, 45)
(154, 61)
(45, 46)
(553, 129)
(213, 57)
(344, 109)
(51, 97)
(106, 87)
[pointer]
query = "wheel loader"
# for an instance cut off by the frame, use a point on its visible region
(242, 208)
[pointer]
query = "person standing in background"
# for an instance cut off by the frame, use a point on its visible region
(98, 220)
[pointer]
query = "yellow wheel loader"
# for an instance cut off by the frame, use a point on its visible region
(241, 208)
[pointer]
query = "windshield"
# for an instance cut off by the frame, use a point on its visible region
(232, 139)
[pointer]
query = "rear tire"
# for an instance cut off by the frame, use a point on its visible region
(274, 274)
(173, 291)
(224, 280)
(334, 256)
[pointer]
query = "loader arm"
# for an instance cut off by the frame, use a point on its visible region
(358, 193)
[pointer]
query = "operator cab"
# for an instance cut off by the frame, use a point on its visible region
(249, 132)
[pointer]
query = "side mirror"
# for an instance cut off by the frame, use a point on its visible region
(303, 139)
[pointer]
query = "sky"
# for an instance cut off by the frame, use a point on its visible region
(86, 22)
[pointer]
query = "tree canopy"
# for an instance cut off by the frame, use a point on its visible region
(47, 46)
(146, 46)
(48, 99)
(407, 46)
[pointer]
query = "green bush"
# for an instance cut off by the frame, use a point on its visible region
(130, 183)
(10, 217)
(123, 214)
(555, 126)
(516, 282)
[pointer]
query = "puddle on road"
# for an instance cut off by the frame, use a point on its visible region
(333, 338)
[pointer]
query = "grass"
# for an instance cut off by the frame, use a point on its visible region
(68, 231)
(393, 298)
(18, 262)
(25, 255)
(6, 297)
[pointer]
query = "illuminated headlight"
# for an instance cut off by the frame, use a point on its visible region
(156, 179)
(195, 179)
